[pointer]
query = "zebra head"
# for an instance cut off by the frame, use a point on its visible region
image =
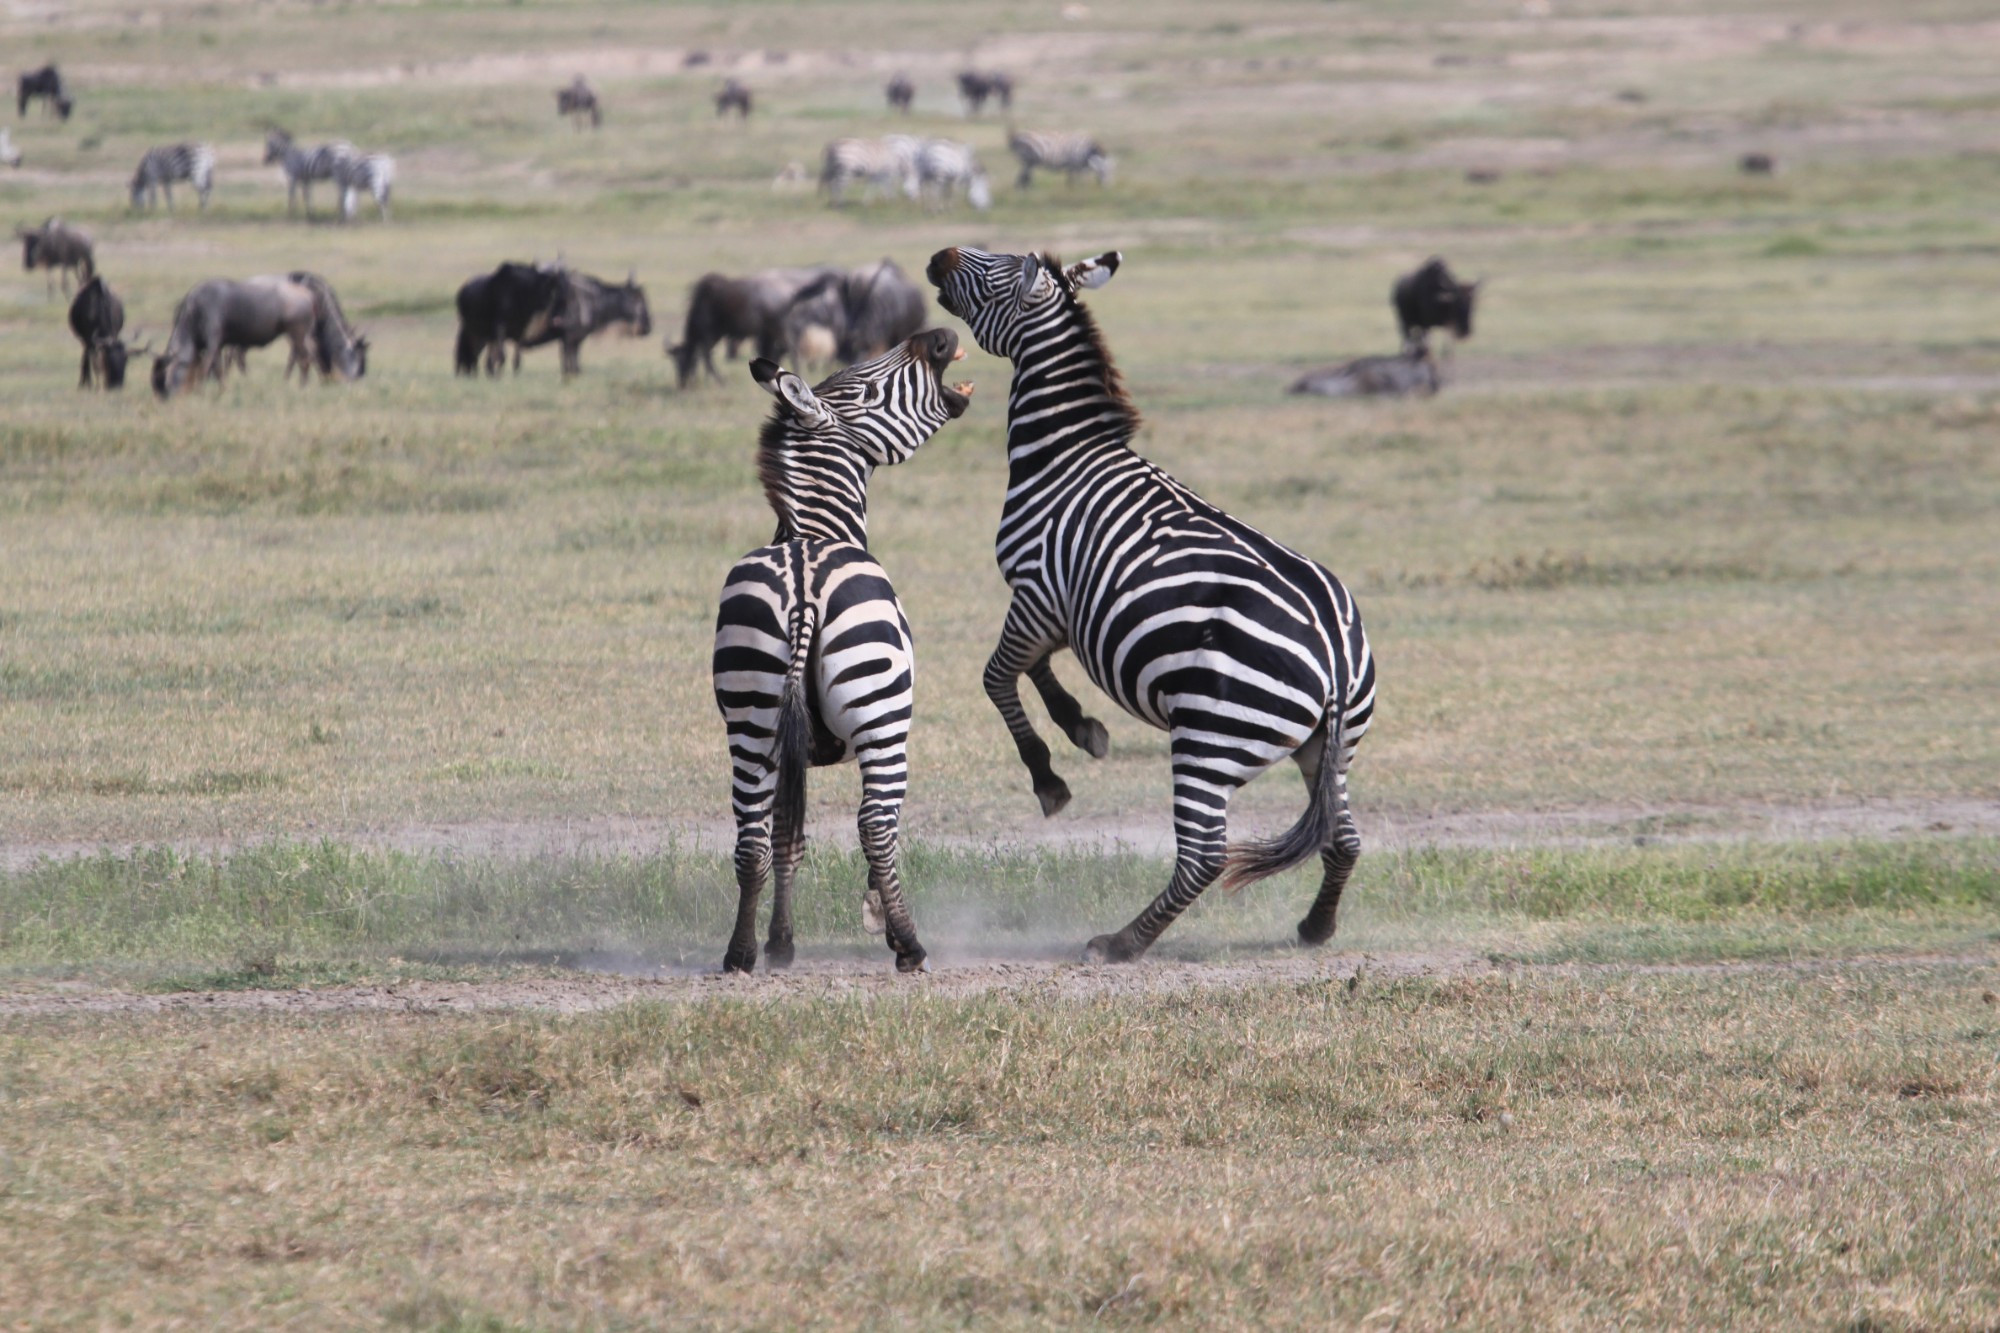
(276, 144)
(882, 409)
(1004, 296)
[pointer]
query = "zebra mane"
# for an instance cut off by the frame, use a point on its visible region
(775, 450)
(1114, 381)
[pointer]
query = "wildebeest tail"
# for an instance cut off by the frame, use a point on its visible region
(1249, 862)
(465, 352)
(793, 747)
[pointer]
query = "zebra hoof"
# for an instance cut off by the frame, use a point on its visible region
(777, 956)
(1312, 934)
(1053, 796)
(1091, 738)
(914, 961)
(1109, 949)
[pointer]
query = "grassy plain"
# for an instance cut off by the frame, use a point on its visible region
(1703, 528)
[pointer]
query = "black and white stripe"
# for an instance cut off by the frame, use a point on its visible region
(302, 166)
(373, 174)
(946, 168)
(1067, 153)
(161, 167)
(1244, 651)
(884, 165)
(813, 658)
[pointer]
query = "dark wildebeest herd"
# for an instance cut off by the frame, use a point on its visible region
(532, 305)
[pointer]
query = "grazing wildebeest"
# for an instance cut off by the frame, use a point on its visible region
(161, 167)
(1757, 164)
(97, 317)
(1410, 371)
(513, 303)
(733, 311)
(586, 306)
(735, 96)
(578, 102)
(1067, 153)
(47, 84)
(1431, 298)
(303, 166)
(221, 314)
(975, 86)
(338, 350)
(55, 245)
(867, 310)
(9, 154)
(901, 93)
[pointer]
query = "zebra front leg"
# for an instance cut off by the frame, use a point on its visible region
(1201, 816)
(1021, 646)
(883, 782)
(1085, 733)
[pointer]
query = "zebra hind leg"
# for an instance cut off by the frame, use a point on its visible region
(1340, 854)
(784, 873)
(881, 814)
(753, 864)
(1084, 732)
(1201, 820)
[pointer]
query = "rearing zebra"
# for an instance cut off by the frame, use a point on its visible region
(303, 166)
(372, 172)
(161, 167)
(1242, 650)
(813, 663)
(1067, 153)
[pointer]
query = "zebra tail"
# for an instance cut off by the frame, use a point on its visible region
(1247, 863)
(793, 750)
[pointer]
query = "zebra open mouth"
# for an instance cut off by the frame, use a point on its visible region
(957, 397)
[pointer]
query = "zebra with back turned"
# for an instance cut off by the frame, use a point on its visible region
(302, 166)
(370, 173)
(1067, 153)
(1242, 650)
(945, 167)
(813, 660)
(161, 167)
(884, 164)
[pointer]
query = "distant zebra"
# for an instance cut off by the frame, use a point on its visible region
(888, 163)
(578, 101)
(47, 84)
(161, 167)
(303, 166)
(9, 154)
(374, 173)
(1067, 153)
(975, 86)
(900, 92)
(1244, 651)
(813, 661)
(735, 96)
(945, 167)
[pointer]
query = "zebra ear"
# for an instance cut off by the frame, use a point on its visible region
(1031, 280)
(787, 388)
(1086, 273)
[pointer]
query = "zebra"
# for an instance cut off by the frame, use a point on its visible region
(578, 101)
(161, 167)
(1067, 153)
(303, 166)
(884, 164)
(373, 172)
(944, 166)
(813, 663)
(1193, 621)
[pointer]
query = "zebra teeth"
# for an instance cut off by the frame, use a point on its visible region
(964, 389)
(958, 355)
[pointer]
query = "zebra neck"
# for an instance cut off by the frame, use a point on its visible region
(1066, 400)
(816, 491)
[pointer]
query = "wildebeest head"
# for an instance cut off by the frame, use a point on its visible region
(999, 295)
(636, 314)
(883, 408)
(31, 245)
(63, 107)
(113, 355)
(1459, 303)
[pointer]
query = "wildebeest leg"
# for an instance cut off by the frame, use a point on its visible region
(708, 359)
(1085, 733)
(1023, 644)
(83, 377)
(517, 358)
(1201, 820)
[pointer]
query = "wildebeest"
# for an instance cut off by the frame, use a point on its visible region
(722, 309)
(589, 305)
(867, 310)
(1431, 298)
(1757, 164)
(47, 84)
(1410, 371)
(97, 317)
(338, 350)
(579, 101)
(735, 96)
(533, 305)
(975, 86)
(222, 313)
(55, 245)
(9, 154)
(901, 93)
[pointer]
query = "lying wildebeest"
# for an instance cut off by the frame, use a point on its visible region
(867, 310)
(47, 84)
(900, 92)
(223, 314)
(578, 101)
(1757, 164)
(97, 317)
(735, 96)
(733, 311)
(512, 303)
(975, 86)
(1410, 371)
(1431, 298)
(55, 245)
